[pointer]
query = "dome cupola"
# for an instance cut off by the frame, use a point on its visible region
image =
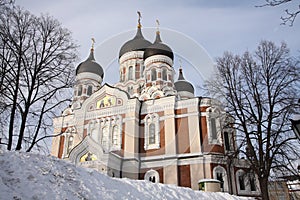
(138, 43)
(158, 47)
(184, 88)
(90, 65)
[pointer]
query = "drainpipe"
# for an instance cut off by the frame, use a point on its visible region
(201, 138)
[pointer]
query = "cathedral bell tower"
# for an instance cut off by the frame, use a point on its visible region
(159, 72)
(89, 76)
(132, 63)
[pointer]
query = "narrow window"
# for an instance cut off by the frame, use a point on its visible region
(142, 71)
(130, 89)
(90, 90)
(252, 183)
(115, 135)
(242, 182)
(105, 138)
(79, 90)
(153, 74)
(164, 74)
(70, 144)
(226, 141)
(130, 73)
(151, 133)
(213, 129)
(220, 178)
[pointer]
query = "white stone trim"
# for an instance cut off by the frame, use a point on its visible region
(158, 58)
(131, 55)
(214, 113)
(88, 75)
(247, 190)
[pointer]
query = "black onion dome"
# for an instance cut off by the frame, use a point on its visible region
(182, 85)
(138, 43)
(90, 65)
(158, 48)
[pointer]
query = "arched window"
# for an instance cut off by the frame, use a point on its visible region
(79, 90)
(153, 74)
(115, 135)
(90, 90)
(151, 133)
(252, 182)
(152, 176)
(164, 74)
(240, 179)
(70, 144)
(213, 126)
(242, 182)
(130, 73)
(213, 121)
(227, 141)
(105, 139)
(220, 174)
(130, 89)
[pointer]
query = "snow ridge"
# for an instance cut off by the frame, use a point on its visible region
(34, 176)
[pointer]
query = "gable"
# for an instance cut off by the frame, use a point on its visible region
(106, 97)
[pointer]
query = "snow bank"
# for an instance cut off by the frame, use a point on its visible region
(32, 176)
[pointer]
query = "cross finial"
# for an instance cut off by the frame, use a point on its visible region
(93, 43)
(139, 20)
(157, 25)
(180, 64)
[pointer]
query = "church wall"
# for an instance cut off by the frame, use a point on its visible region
(194, 131)
(182, 135)
(196, 171)
(123, 137)
(61, 146)
(170, 174)
(184, 176)
(130, 169)
(55, 143)
(170, 137)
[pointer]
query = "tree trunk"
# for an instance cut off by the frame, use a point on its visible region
(14, 105)
(263, 183)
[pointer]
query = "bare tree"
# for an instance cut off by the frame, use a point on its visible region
(290, 15)
(36, 56)
(6, 2)
(260, 91)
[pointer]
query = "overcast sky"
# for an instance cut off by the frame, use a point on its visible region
(215, 25)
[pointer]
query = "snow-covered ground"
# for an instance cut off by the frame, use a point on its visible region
(33, 176)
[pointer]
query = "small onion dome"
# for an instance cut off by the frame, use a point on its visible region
(138, 43)
(158, 48)
(182, 85)
(90, 65)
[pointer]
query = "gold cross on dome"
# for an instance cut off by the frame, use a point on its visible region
(93, 42)
(157, 25)
(139, 20)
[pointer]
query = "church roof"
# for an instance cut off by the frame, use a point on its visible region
(138, 43)
(182, 85)
(90, 65)
(158, 48)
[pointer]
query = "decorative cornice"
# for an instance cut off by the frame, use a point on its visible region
(158, 58)
(131, 55)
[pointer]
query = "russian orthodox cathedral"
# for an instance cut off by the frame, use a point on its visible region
(149, 125)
